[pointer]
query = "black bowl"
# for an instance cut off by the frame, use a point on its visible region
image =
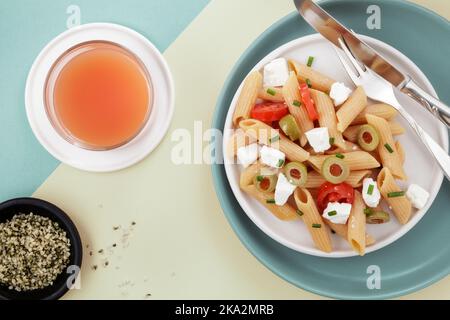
(43, 208)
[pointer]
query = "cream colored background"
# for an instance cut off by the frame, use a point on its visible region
(181, 246)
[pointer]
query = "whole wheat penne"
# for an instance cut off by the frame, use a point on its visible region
(327, 116)
(357, 160)
(387, 149)
(249, 173)
(313, 220)
(293, 100)
(247, 98)
(341, 230)
(354, 105)
(271, 94)
(356, 229)
(285, 212)
(381, 110)
(401, 206)
(266, 135)
(317, 79)
(351, 133)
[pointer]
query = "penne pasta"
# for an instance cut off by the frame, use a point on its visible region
(327, 116)
(317, 79)
(349, 147)
(357, 160)
(285, 212)
(292, 97)
(266, 134)
(355, 179)
(341, 230)
(387, 149)
(381, 110)
(247, 98)
(275, 95)
(401, 152)
(351, 109)
(356, 229)
(351, 133)
(313, 220)
(249, 173)
(401, 206)
(237, 140)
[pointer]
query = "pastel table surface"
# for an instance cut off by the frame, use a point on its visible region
(155, 230)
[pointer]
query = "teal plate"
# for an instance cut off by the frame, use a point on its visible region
(416, 260)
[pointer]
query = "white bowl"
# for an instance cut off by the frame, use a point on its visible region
(151, 134)
(419, 166)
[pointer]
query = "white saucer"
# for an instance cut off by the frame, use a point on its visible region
(132, 152)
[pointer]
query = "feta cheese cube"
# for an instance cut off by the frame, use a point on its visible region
(417, 195)
(276, 73)
(248, 154)
(319, 139)
(373, 199)
(339, 212)
(339, 93)
(272, 157)
(283, 190)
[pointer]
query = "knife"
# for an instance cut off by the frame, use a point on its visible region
(333, 30)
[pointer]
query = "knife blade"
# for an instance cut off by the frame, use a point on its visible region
(333, 30)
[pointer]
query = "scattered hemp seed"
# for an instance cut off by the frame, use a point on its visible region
(100, 251)
(94, 267)
(34, 251)
(91, 253)
(114, 245)
(133, 223)
(115, 228)
(106, 263)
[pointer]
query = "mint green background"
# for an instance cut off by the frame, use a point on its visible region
(419, 258)
(25, 28)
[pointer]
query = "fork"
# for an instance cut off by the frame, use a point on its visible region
(379, 89)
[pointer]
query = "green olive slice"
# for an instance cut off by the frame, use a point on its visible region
(335, 170)
(296, 173)
(265, 183)
(290, 127)
(368, 137)
(377, 217)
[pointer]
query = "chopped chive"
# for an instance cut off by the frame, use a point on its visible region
(276, 138)
(299, 212)
(370, 190)
(332, 213)
(396, 194)
(297, 103)
(389, 148)
(271, 92)
(271, 201)
(259, 178)
(280, 163)
(310, 61)
(339, 155)
(332, 140)
(308, 82)
(316, 225)
(368, 211)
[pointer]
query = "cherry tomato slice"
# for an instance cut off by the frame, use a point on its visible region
(308, 102)
(329, 192)
(269, 111)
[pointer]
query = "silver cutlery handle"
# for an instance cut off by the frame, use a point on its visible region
(435, 106)
(441, 156)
